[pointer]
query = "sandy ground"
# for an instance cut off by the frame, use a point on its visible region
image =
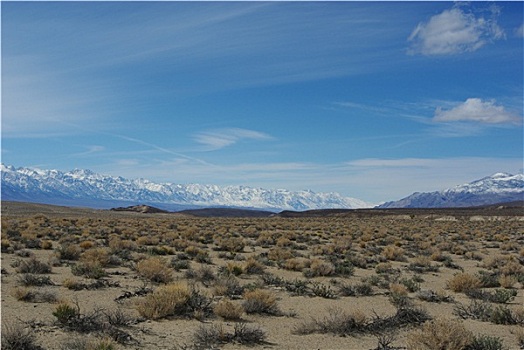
(176, 332)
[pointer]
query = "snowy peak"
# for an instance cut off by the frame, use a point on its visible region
(85, 188)
(496, 183)
(497, 188)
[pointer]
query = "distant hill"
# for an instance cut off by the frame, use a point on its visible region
(228, 212)
(145, 209)
(498, 188)
(86, 188)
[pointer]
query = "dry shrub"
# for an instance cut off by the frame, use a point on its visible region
(229, 286)
(33, 265)
(228, 311)
(86, 244)
(504, 264)
(234, 268)
(463, 282)
(512, 268)
(519, 334)
(437, 255)
(47, 244)
(422, 264)
(146, 240)
(231, 244)
(384, 268)
(440, 334)
(155, 269)
(398, 288)
(72, 284)
(89, 270)
(98, 256)
(5, 244)
(507, 281)
(116, 244)
(165, 301)
(320, 267)
(296, 264)
(260, 301)
(69, 252)
(284, 242)
(279, 254)
(16, 337)
(336, 322)
(254, 267)
(392, 252)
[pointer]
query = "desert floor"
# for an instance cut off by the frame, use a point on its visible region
(333, 281)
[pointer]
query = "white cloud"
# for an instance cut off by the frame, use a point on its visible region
(520, 31)
(454, 31)
(221, 138)
(476, 110)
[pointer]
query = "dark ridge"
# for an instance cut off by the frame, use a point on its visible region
(227, 213)
(145, 209)
(315, 212)
(515, 208)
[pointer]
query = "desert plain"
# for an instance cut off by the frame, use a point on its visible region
(74, 278)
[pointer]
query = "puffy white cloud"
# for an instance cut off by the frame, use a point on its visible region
(454, 31)
(476, 110)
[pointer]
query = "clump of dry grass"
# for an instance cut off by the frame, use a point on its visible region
(177, 299)
(164, 301)
(463, 282)
(155, 269)
(15, 337)
(227, 286)
(507, 281)
(35, 295)
(228, 310)
(208, 337)
(296, 264)
(336, 322)
(319, 267)
(231, 244)
(440, 334)
(68, 251)
(254, 267)
(98, 256)
(33, 265)
(392, 252)
(260, 301)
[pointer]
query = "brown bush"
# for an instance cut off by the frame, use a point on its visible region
(392, 252)
(164, 301)
(228, 311)
(463, 282)
(260, 301)
(98, 256)
(296, 264)
(155, 269)
(440, 334)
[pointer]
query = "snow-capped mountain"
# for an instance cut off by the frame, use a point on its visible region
(86, 188)
(497, 188)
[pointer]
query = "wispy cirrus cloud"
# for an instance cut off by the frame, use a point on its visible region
(519, 32)
(220, 138)
(454, 31)
(477, 110)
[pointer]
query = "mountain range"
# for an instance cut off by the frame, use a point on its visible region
(497, 188)
(86, 188)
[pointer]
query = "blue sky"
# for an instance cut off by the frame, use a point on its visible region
(374, 100)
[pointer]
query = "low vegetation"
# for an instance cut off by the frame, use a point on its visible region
(118, 280)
